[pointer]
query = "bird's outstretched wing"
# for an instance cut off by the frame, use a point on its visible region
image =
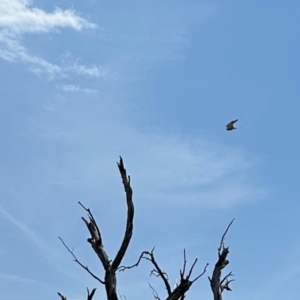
(230, 124)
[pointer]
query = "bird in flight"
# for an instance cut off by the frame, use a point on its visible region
(230, 125)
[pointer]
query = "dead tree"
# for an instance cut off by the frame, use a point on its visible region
(112, 266)
(217, 283)
(179, 292)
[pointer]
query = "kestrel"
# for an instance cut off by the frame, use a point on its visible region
(230, 125)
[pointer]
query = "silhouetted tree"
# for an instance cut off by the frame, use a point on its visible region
(111, 267)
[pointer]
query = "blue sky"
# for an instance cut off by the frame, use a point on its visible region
(83, 82)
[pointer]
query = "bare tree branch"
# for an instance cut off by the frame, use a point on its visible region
(157, 271)
(130, 215)
(184, 264)
(123, 268)
(90, 295)
(217, 284)
(110, 267)
(122, 296)
(223, 237)
(61, 296)
(191, 270)
(78, 262)
(155, 294)
(185, 283)
(96, 239)
(203, 272)
(226, 277)
(179, 291)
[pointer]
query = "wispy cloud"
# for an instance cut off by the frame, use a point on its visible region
(37, 240)
(25, 280)
(13, 51)
(75, 88)
(93, 71)
(18, 17)
(72, 65)
(177, 170)
(174, 169)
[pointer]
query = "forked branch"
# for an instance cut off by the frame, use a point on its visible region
(178, 293)
(217, 284)
(89, 295)
(157, 271)
(185, 283)
(155, 294)
(130, 215)
(110, 266)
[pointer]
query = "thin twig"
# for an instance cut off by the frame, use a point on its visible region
(204, 270)
(78, 262)
(160, 273)
(157, 271)
(223, 236)
(191, 270)
(184, 264)
(123, 268)
(226, 277)
(87, 210)
(155, 294)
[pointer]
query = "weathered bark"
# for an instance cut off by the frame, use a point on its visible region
(110, 279)
(110, 267)
(217, 284)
